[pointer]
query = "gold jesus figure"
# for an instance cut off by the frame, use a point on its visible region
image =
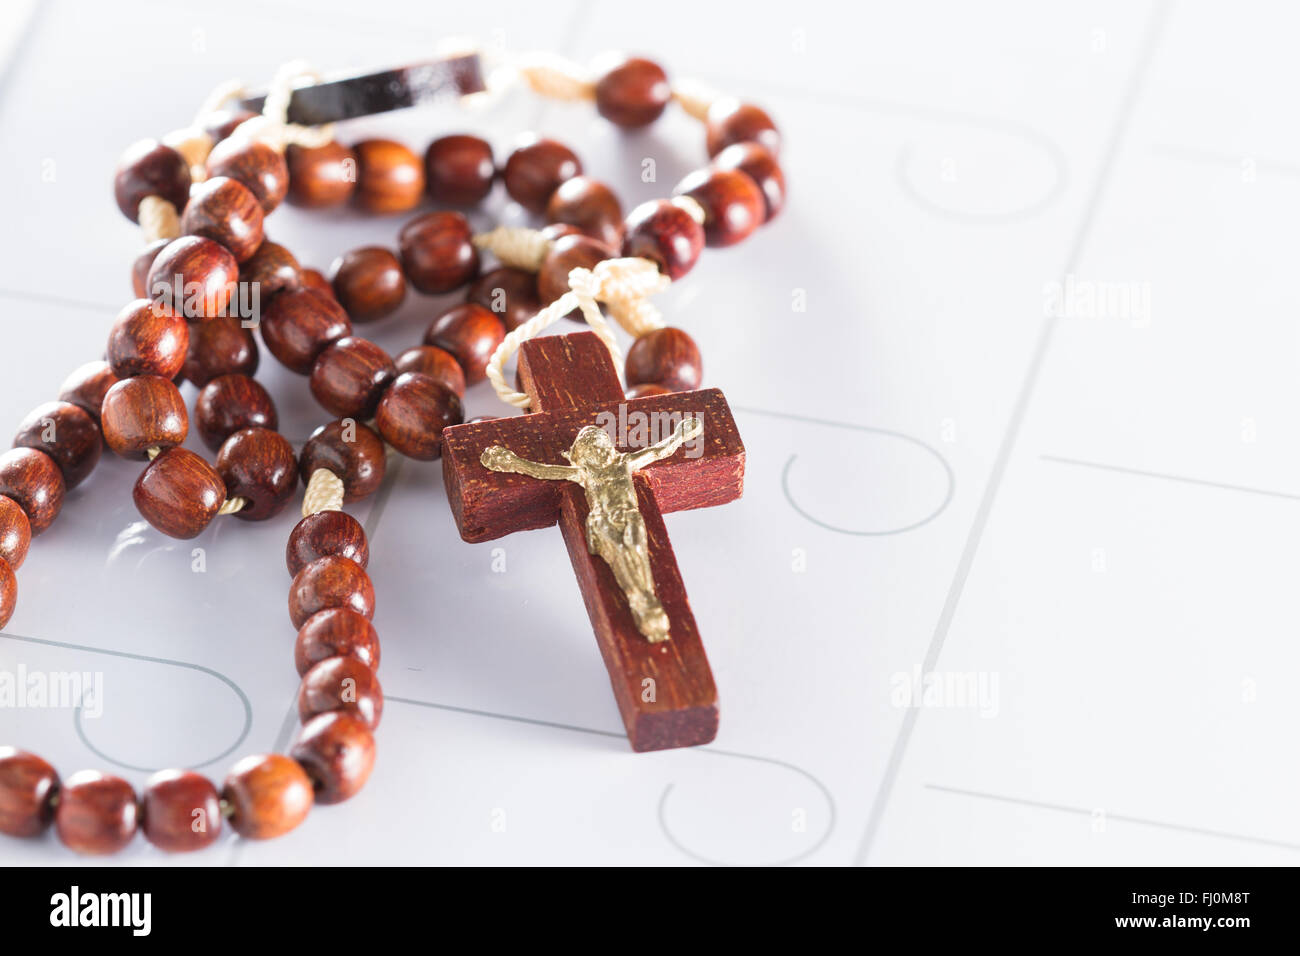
(615, 529)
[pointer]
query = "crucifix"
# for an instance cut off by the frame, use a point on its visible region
(560, 463)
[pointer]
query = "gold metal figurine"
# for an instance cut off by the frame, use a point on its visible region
(615, 529)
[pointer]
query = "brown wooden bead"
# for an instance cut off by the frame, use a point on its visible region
(15, 533)
(633, 93)
(469, 332)
(666, 234)
(591, 206)
(567, 254)
(220, 347)
(439, 364)
(268, 794)
(33, 480)
(350, 376)
(732, 202)
(731, 121)
(509, 293)
(341, 684)
(230, 403)
(335, 632)
(142, 413)
(221, 123)
(26, 785)
(667, 357)
(195, 277)
(645, 389)
(414, 411)
(338, 752)
(459, 169)
(352, 451)
(326, 534)
(535, 170)
(558, 230)
(67, 434)
(254, 164)
(758, 164)
(438, 252)
(97, 813)
(87, 386)
(328, 582)
(148, 168)
(368, 283)
(298, 325)
(390, 178)
(179, 493)
(315, 280)
(8, 592)
(259, 465)
(323, 176)
(141, 266)
(226, 211)
(147, 338)
(272, 269)
(180, 811)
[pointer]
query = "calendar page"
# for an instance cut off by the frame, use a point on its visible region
(1012, 579)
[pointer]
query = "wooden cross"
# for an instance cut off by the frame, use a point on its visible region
(665, 691)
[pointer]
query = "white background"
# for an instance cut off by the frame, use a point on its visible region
(1095, 514)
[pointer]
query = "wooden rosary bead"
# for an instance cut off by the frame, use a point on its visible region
(439, 364)
(414, 411)
(390, 178)
(97, 813)
(230, 403)
(535, 170)
(469, 332)
(508, 293)
(195, 277)
(268, 795)
(179, 493)
(666, 234)
(221, 123)
(220, 347)
(315, 280)
(350, 376)
(33, 480)
(326, 534)
(142, 413)
(591, 206)
(558, 230)
(298, 325)
(758, 164)
(255, 165)
(180, 811)
(438, 252)
(328, 582)
(8, 592)
(323, 176)
(148, 168)
(341, 684)
(259, 465)
(27, 784)
(459, 169)
(141, 266)
(646, 389)
(352, 451)
(147, 338)
(567, 254)
(368, 283)
(338, 752)
(667, 357)
(87, 386)
(15, 533)
(273, 268)
(633, 93)
(335, 632)
(67, 434)
(732, 202)
(731, 121)
(226, 211)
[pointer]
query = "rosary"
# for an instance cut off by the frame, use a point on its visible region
(208, 275)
